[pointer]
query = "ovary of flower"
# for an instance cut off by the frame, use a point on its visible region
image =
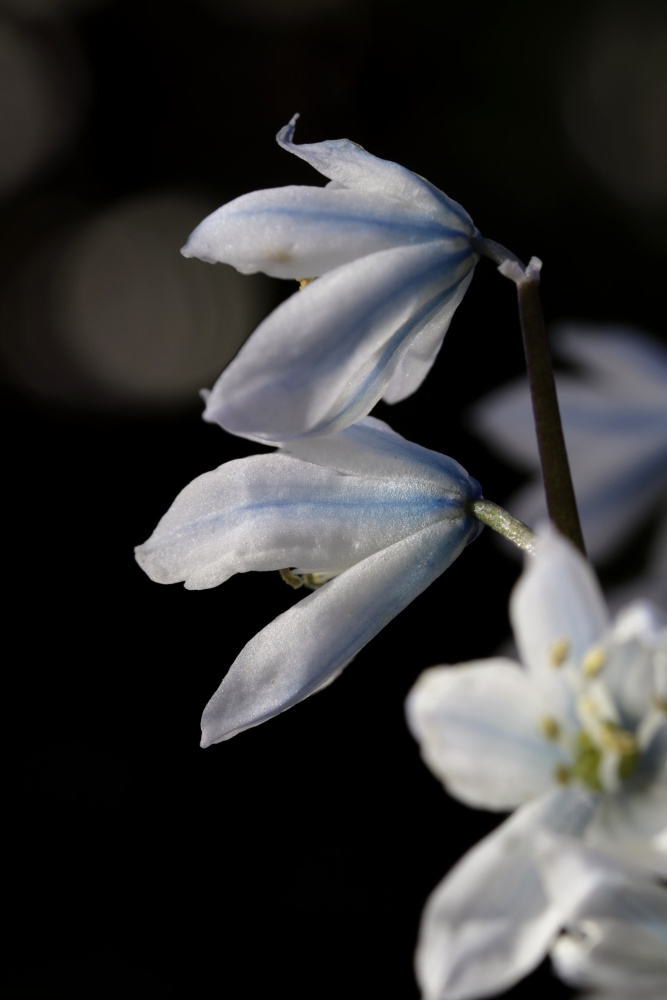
(364, 517)
(577, 741)
(393, 258)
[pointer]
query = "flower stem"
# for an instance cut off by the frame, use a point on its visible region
(509, 527)
(561, 502)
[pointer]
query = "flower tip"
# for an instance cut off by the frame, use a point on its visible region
(286, 133)
(194, 249)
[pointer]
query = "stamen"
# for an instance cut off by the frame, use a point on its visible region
(291, 578)
(562, 774)
(558, 652)
(303, 282)
(593, 661)
(550, 728)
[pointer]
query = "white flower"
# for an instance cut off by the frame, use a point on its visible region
(395, 259)
(614, 414)
(378, 517)
(585, 713)
(615, 921)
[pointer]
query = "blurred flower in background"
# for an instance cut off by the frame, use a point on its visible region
(43, 94)
(614, 100)
(107, 313)
(614, 413)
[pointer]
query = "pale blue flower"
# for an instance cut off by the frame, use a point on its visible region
(376, 516)
(576, 737)
(614, 918)
(614, 412)
(393, 258)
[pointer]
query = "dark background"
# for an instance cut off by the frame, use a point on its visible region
(296, 857)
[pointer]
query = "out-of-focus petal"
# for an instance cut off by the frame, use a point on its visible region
(350, 166)
(272, 511)
(557, 613)
(298, 231)
(304, 648)
(637, 641)
(478, 726)
(624, 358)
(490, 922)
(626, 960)
(371, 448)
(634, 825)
(617, 917)
(614, 418)
(324, 357)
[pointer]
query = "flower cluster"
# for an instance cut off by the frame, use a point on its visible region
(574, 737)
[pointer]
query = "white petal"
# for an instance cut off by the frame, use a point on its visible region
(479, 728)
(630, 964)
(614, 419)
(587, 883)
(630, 671)
(632, 824)
(351, 166)
(557, 601)
(417, 361)
(303, 649)
(274, 511)
(299, 232)
(371, 448)
(632, 364)
(324, 357)
(489, 922)
(618, 919)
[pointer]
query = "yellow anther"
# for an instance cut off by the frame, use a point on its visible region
(291, 578)
(659, 703)
(303, 282)
(558, 652)
(593, 661)
(562, 774)
(316, 580)
(549, 727)
(621, 741)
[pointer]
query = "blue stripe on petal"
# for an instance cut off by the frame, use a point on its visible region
(308, 645)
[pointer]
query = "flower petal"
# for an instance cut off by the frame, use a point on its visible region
(479, 728)
(633, 824)
(417, 361)
(371, 448)
(324, 357)
(557, 613)
(274, 511)
(631, 363)
(617, 916)
(636, 645)
(490, 922)
(308, 645)
(298, 231)
(351, 166)
(614, 419)
(627, 960)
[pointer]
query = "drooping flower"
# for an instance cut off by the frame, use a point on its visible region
(614, 919)
(576, 737)
(377, 517)
(614, 413)
(393, 258)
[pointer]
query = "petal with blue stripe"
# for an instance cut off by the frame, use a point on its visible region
(308, 645)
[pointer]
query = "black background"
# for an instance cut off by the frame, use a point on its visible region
(295, 858)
